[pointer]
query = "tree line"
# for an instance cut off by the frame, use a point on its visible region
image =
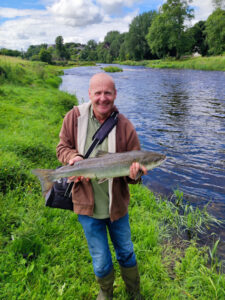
(151, 35)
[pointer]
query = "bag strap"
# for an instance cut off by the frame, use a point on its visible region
(102, 132)
(97, 139)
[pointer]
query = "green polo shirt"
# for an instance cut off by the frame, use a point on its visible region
(101, 193)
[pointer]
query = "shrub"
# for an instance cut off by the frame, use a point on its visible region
(112, 69)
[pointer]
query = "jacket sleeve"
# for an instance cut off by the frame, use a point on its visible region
(133, 144)
(132, 140)
(127, 140)
(66, 148)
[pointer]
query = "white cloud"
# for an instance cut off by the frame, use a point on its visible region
(202, 9)
(13, 13)
(41, 28)
(76, 20)
(116, 6)
(20, 33)
(99, 31)
(76, 13)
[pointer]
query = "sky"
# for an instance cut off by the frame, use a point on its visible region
(34, 22)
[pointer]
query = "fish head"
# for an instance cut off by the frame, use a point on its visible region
(151, 159)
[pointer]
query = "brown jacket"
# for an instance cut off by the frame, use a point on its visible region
(122, 138)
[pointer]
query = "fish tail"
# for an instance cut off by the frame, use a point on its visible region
(44, 175)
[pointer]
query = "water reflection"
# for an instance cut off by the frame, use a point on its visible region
(180, 113)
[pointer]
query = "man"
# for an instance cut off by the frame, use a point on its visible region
(105, 205)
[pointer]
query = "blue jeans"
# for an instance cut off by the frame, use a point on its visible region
(96, 235)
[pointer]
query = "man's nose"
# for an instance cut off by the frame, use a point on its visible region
(102, 96)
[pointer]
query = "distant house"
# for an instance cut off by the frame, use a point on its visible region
(196, 54)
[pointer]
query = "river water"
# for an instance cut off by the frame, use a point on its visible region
(180, 113)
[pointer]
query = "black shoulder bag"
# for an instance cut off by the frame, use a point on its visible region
(60, 195)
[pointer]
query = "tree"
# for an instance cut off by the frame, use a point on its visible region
(112, 42)
(123, 54)
(60, 48)
(215, 32)
(198, 37)
(74, 49)
(136, 42)
(34, 50)
(101, 52)
(157, 36)
(9, 52)
(90, 51)
(45, 56)
(167, 32)
(59, 45)
(109, 49)
(123, 51)
(111, 36)
(91, 47)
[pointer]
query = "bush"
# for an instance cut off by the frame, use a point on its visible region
(112, 69)
(54, 82)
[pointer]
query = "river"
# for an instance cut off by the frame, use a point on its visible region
(180, 113)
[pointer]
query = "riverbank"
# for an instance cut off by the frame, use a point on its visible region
(212, 63)
(43, 251)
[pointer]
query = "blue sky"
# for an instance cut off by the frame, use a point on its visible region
(21, 4)
(28, 22)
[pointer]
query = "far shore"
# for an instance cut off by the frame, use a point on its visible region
(211, 63)
(206, 63)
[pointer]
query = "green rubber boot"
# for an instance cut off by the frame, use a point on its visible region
(106, 286)
(132, 281)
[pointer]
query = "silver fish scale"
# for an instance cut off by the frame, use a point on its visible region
(109, 165)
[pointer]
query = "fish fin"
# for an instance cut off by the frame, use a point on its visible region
(139, 174)
(101, 153)
(102, 180)
(44, 175)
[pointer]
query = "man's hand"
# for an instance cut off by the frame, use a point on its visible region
(72, 161)
(136, 168)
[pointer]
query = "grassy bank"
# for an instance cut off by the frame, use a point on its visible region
(213, 63)
(43, 252)
(112, 69)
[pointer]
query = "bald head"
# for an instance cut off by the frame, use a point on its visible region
(100, 78)
(102, 93)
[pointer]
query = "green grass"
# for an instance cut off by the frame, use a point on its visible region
(212, 63)
(112, 69)
(43, 252)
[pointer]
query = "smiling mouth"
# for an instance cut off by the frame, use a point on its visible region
(104, 104)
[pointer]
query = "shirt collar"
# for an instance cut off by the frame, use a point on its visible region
(92, 112)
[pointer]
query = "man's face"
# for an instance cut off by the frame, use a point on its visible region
(102, 94)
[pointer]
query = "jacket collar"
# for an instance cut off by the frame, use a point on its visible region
(82, 129)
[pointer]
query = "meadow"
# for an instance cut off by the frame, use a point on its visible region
(211, 63)
(43, 252)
